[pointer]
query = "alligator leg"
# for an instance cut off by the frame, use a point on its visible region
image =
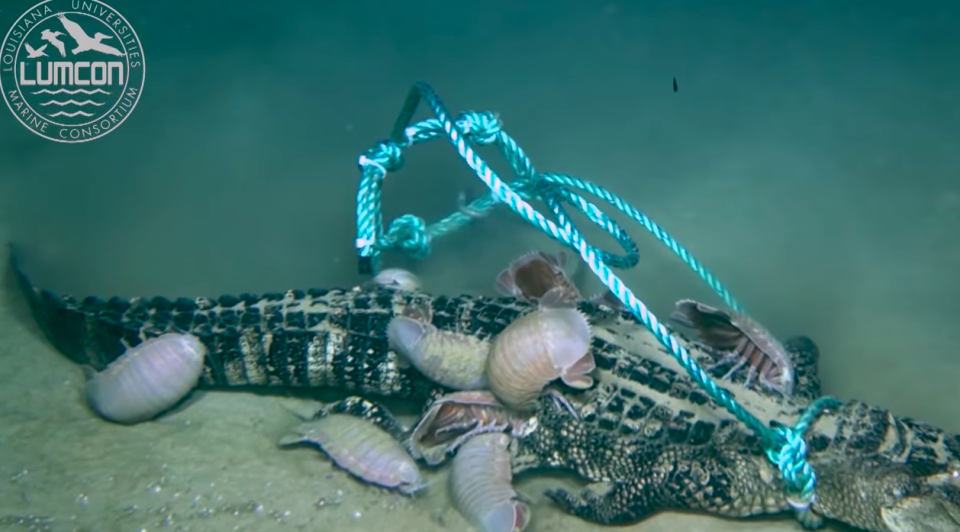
(626, 502)
(710, 479)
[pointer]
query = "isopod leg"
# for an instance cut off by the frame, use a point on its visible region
(725, 360)
(372, 411)
(751, 375)
(743, 356)
(726, 357)
(560, 401)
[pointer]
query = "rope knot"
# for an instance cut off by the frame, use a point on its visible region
(797, 474)
(788, 450)
(385, 155)
(409, 234)
(791, 460)
(481, 128)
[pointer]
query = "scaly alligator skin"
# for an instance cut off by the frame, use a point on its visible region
(645, 430)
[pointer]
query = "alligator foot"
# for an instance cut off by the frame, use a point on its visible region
(721, 481)
(624, 503)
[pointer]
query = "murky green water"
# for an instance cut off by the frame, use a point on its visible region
(808, 159)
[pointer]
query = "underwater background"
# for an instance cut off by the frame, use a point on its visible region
(808, 159)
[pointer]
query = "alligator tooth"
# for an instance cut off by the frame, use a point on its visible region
(480, 485)
(538, 276)
(448, 358)
(362, 449)
(456, 417)
(148, 379)
(741, 341)
(536, 349)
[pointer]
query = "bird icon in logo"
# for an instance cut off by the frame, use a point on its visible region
(84, 41)
(34, 54)
(51, 37)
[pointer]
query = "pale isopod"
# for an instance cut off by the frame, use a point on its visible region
(361, 448)
(741, 342)
(148, 379)
(456, 417)
(534, 350)
(480, 484)
(448, 358)
(394, 279)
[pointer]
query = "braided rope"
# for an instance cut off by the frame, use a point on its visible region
(784, 446)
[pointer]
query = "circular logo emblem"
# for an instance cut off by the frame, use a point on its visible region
(71, 70)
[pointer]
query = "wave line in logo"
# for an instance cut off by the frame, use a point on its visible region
(71, 115)
(70, 92)
(71, 102)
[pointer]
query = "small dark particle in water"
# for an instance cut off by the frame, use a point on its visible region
(674, 84)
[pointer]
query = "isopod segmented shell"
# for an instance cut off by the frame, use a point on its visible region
(362, 449)
(741, 341)
(448, 358)
(454, 418)
(148, 379)
(480, 484)
(534, 350)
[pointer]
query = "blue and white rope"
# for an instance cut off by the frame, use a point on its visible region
(785, 446)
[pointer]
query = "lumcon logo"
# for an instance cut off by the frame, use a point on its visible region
(71, 70)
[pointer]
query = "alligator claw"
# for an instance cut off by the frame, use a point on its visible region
(621, 503)
(574, 504)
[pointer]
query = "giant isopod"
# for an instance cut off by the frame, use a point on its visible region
(538, 276)
(361, 448)
(454, 418)
(394, 279)
(448, 358)
(534, 350)
(148, 379)
(480, 484)
(741, 341)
